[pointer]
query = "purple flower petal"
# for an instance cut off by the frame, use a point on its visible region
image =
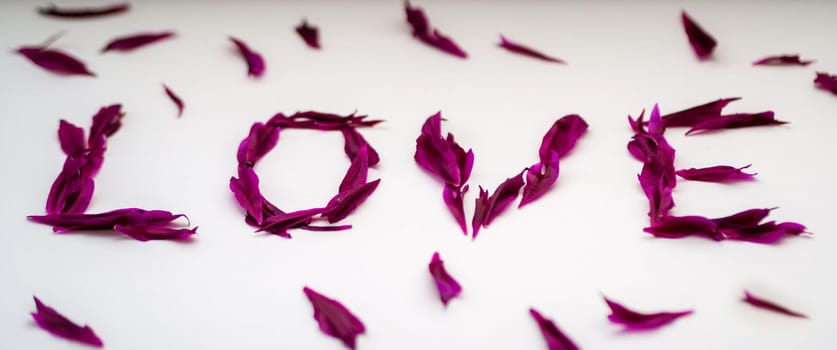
(633, 320)
(145, 232)
(354, 141)
(765, 304)
(279, 223)
(135, 41)
(430, 36)
(55, 61)
(734, 121)
(261, 139)
(454, 200)
(539, 179)
(72, 139)
(697, 114)
(746, 218)
(555, 339)
(84, 12)
(499, 201)
(826, 82)
(782, 60)
(106, 221)
(246, 190)
(335, 319)
(702, 43)
(322, 121)
(684, 226)
(255, 62)
(53, 322)
(442, 157)
(174, 98)
(357, 173)
(345, 202)
(447, 285)
(71, 191)
(526, 51)
(309, 34)
(718, 173)
(766, 233)
(657, 178)
(562, 136)
(480, 210)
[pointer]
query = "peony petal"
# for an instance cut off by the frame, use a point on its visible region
(702, 43)
(765, 304)
(766, 233)
(539, 179)
(422, 31)
(437, 155)
(279, 223)
(357, 173)
(53, 322)
(562, 136)
(335, 319)
(718, 173)
(55, 61)
(734, 121)
(309, 34)
(697, 114)
(135, 41)
(174, 98)
(500, 200)
(454, 200)
(782, 60)
(447, 285)
(555, 339)
(826, 82)
(345, 202)
(526, 51)
(746, 218)
(684, 226)
(84, 12)
(255, 62)
(145, 232)
(261, 140)
(480, 210)
(246, 190)
(633, 320)
(107, 220)
(354, 141)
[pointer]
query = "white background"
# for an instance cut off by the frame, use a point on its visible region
(232, 288)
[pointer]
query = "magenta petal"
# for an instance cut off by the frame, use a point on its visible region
(135, 41)
(174, 98)
(279, 223)
(539, 179)
(702, 43)
(335, 319)
(53, 322)
(354, 141)
(765, 304)
(633, 320)
(107, 220)
(71, 138)
(309, 34)
(826, 82)
(683, 226)
(261, 140)
(782, 60)
(480, 210)
(746, 218)
(55, 61)
(447, 285)
(526, 51)
(84, 12)
(697, 114)
(357, 172)
(454, 199)
(145, 232)
(431, 36)
(555, 339)
(255, 62)
(502, 197)
(438, 155)
(734, 121)
(246, 190)
(344, 203)
(562, 136)
(718, 173)
(766, 233)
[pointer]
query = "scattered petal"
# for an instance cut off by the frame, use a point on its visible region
(718, 173)
(53, 322)
(454, 200)
(279, 223)
(633, 320)
(246, 190)
(684, 226)
(354, 141)
(526, 51)
(174, 98)
(762, 303)
(442, 157)
(562, 136)
(55, 61)
(335, 319)
(746, 218)
(422, 31)
(65, 222)
(255, 62)
(702, 43)
(309, 34)
(261, 139)
(146, 232)
(447, 285)
(766, 233)
(84, 12)
(782, 60)
(135, 41)
(480, 209)
(345, 202)
(357, 173)
(500, 200)
(826, 82)
(697, 114)
(734, 121)
(555, 339)
(72, 139)
(539, 179)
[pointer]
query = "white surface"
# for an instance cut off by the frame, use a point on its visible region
(231, 289)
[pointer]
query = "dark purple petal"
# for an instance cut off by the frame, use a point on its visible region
(107, 220)
(335, 319)
(354, 141)
(71, 138)
(539, 179)
(765, 304)
(633, 320)
(146, 232)
(357, 172)
(174, 98)
(718, 173)
(322, 121)
(106, 122)
(555, 339)
(657, 178)
(325, 228)
(684, 226)
(246, 190)
(826, 82)
(53, 322)
(261, 139)
(734, 121)
(562, 136)
(84, 12)
(454, 200)
(502, 197)
(697, 114)
(135, 41)
(431, 36)
(526, 51)
(464, 160)
(436, 154)
(746, 218)
(480, 210)
(447, 285)
(417, 19)
(71, 191)
(55, 61)
(255, 62)
(702, 43)
(309, 34)
(766, 233)
(782, 60)
(344, 203)
(279, 223)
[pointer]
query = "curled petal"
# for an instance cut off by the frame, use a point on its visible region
(766, 233)
(480, 210)
(448, 287)
(335, 319)
(246, 190)
(765, 304)
(684, 226)
(357, 172)
(702, 43)
(135, 41)
(106, 122)
(72, 190)
(526, 51)
(734, 121)
(279, 223)
(539, 179)
(454, 200)
(437, 155)
(55, 61)
(697, 114)
(502, 197)
(430, 36)
(255, 62)
(826, 82)
(555, 339)
(344, 203)
(633, 320)
(782, 60)
(309, 34)
(53, 322)
(72, 139)
(146, 232)
(719, 173)
(746, 218)
(354, 141)
(175, 99)
(562, 136)
(261, 139)
(107, 220)
(84, 12)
